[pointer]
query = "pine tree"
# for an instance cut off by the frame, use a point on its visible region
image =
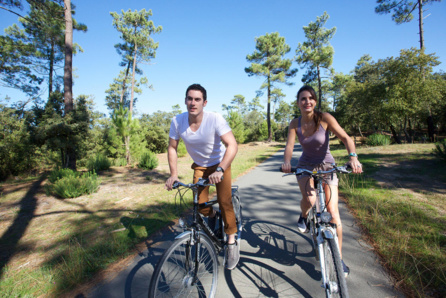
(268, 61)
(316, 53)
(139, 47)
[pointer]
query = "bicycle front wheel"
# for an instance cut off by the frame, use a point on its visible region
(186, 270)
(335, 286)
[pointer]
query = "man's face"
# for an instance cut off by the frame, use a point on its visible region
(194, 102)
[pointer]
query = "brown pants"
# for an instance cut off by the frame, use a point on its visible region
(224, 196)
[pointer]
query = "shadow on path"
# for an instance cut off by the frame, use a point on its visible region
(10, 239)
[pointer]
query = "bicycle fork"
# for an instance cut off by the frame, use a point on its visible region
(192, 258)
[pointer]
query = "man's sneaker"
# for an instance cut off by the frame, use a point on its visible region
(302, 224)
(212, 221)
(345, 268)
(232, 255)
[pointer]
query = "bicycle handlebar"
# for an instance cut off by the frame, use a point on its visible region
(299, 171)
(201, 182)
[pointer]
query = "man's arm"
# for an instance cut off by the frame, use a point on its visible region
(230, 143)
(172, 159)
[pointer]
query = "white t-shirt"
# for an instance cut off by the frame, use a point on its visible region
(204, 145)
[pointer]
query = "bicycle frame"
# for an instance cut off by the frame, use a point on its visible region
(199, 225)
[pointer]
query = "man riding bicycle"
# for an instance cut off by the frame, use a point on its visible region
(212, 146)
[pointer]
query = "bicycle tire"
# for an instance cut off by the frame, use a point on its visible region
(313, 233)
(334, 273)
(236, 204)
(173, 274)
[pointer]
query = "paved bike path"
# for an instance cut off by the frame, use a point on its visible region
(276, 260)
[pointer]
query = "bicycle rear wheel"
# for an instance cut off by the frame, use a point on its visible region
(334, 274)
(176, 274)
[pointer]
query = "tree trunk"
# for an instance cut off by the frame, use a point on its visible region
(68, 78)
(394, 134)
(127, 149)
(68, 68)
(50, 76)
(406, 134)
(133, 79)
(411, 132)
(360, 132)
(430, 121)
(320, 88)
(124, 82)
(420, 23)
(268, 113)
(62, 158)
(431, 128)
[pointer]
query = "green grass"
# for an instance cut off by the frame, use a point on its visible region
(406, 225)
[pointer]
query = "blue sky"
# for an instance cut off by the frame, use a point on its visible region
(207, 42)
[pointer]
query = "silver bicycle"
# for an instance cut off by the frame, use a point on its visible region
(189, 267)
(323, 235)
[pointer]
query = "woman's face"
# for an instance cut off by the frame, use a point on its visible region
(306, 102)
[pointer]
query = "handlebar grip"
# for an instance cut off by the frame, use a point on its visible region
(175, 185)
(293, 170)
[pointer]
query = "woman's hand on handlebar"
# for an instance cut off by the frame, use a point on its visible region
(170, 181)
(355, 165)
(286, 167)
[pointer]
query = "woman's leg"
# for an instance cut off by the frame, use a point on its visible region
(306, 186)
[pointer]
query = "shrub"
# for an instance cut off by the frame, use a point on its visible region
(62, 173)
(98, 163)
(157, 139)
(377, 139)
(181, 150)
(440, 150)
(72, 187)
(148, 161)
(120, 162)
(235, 121)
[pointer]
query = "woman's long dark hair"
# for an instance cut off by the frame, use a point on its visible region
(317, 118)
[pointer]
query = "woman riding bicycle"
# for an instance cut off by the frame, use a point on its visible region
(312, 130)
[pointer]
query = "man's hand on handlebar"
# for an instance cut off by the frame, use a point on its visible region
(215, 177)
(170, 181)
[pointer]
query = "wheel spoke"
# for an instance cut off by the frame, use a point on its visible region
(174, 276)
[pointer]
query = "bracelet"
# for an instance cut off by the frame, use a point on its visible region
(353, 154)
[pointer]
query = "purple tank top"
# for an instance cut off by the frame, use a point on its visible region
(315, 148)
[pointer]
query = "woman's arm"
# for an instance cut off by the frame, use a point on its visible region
(289, 148)
(335, 128)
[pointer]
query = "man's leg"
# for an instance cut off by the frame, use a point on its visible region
(224, 196)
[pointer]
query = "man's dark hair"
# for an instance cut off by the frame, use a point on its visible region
(197, 87)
